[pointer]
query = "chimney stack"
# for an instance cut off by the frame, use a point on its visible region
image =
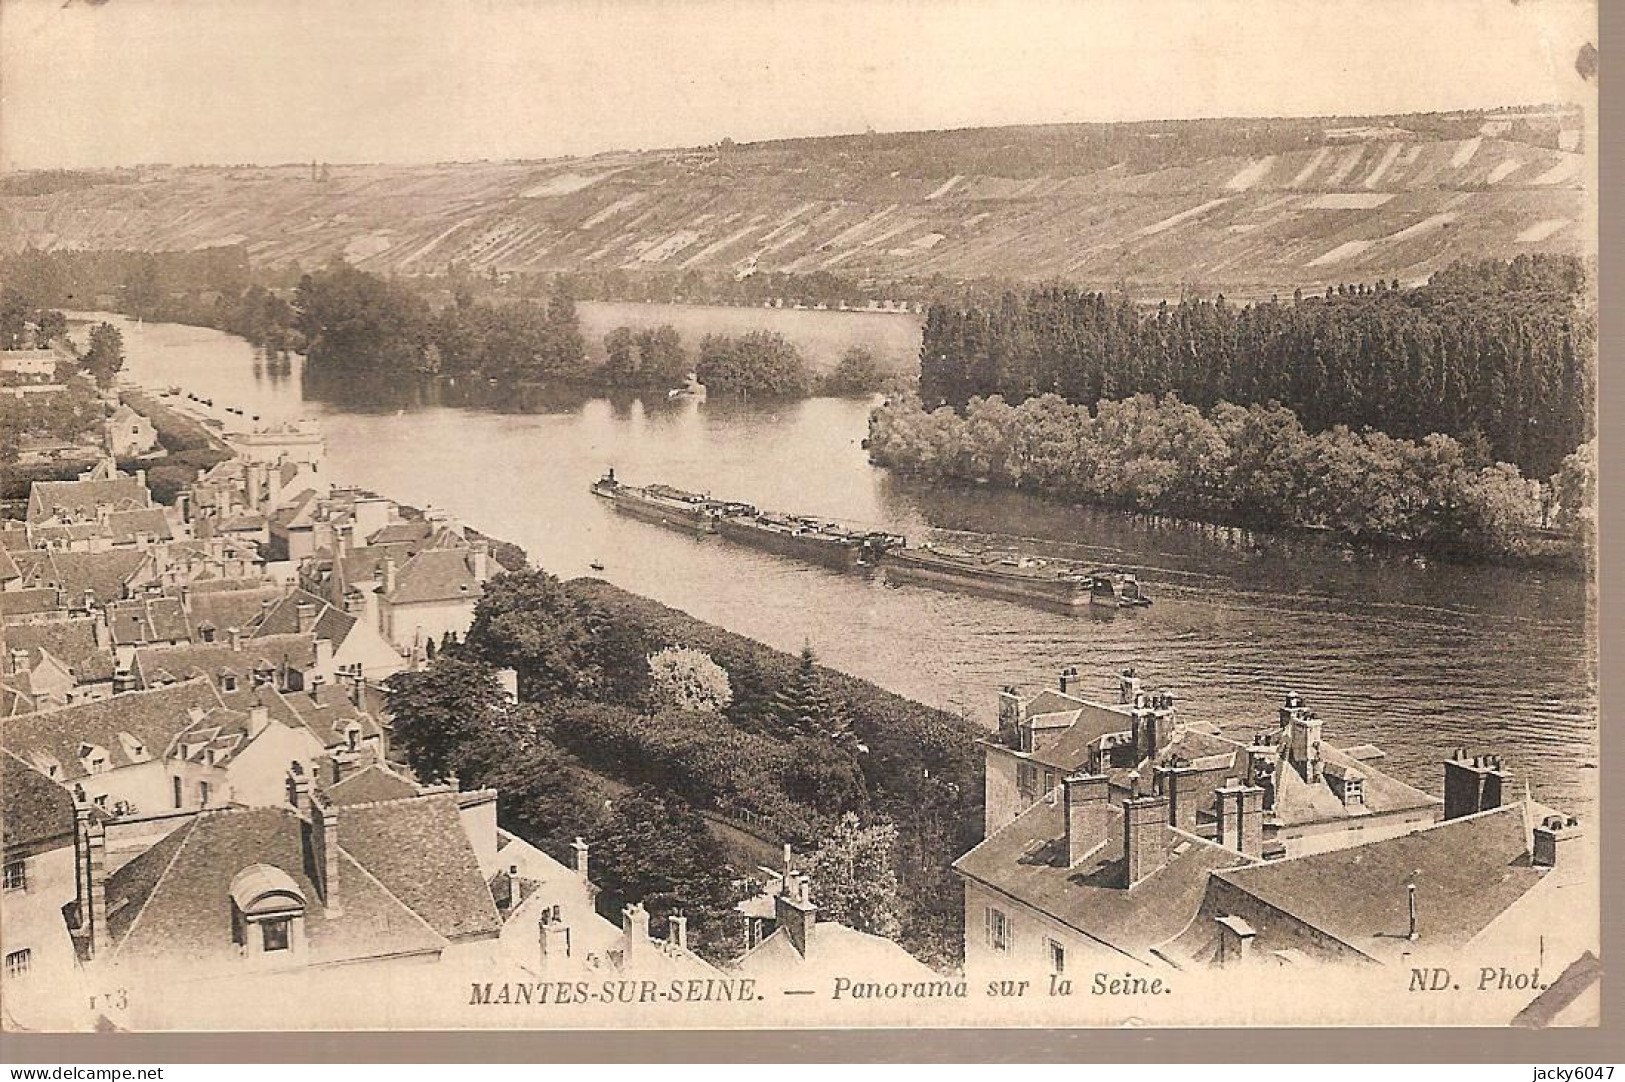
(1302, 735)
(1128, 687)
(635, 923)
(1069, 680)
(1150, 723)
(1557, 839)
(235, 636)
(795, 913)
(479, 560)
(306, 611)
(1415, 932)
(1009, 712)
(96, 881)
(1145, 836)
(1473, 785)
(324, 845)
(677, 930)
(555, 939)
(259, 719)
(389, 575)
(1180, 784)
(1235, 940)
(579, 848)
(1088, 814)
(1241, 817)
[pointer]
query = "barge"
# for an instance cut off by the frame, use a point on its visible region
(1000, 573)
(660, 504)
(825, 543)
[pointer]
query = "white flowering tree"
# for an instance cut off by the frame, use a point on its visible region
(689, 680)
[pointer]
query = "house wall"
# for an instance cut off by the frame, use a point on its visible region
(365, 645)
(49, 995)
(1030, 934)
(1301, 841)
(259, 772)
(148, 787)
(1275, 928)
(1002, 796)
(402, 623)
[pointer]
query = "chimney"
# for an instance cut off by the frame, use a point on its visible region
(1415, 931)
(324, 850)
(1557, 839)
(255, 477)
(1181, 785)
(1150, 724)
(1088, 814)
(1145, 836)
(795, 913)
(389, 575)
(479, 560)
(555, 939)
(1128, 687)
(259, 719)
(1241, 817)
(307, 611)
(1302, 738)
(677, 931)
(103, 634)
(635, 923)
(1235, 940)
(322, 665)
(1473, 785)
(579, 848)
(186, 598)
(16, 661)
(298, 785)
(1009, 712)
(1069, 680)
(96, 882)
(235, 636)
(141, 479)
(81, 858)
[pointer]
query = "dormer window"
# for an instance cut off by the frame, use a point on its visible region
(267, 912)
(228, 681)
(352, 738)
(93, 758)
(207, 631)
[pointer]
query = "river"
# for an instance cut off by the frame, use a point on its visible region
(1419, 660)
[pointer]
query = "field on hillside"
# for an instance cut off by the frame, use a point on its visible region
(1240, 206)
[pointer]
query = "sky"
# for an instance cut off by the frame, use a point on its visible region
(120, 82)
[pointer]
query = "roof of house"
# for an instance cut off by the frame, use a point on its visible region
(153, 718)
(174, 901)
(435, 575)
(1298, 801)
(8, 566)
(36, 810)
(13, 536)
(80, 499)
(226, 609)
(1467, 872)
(833, 949)
(371, 783)
(29, 602)
(400, 840)
(148, 620)
(1027, 862)
(73, 642)
(127, 527)
(283, 618)
(102, 575)
(185, 660)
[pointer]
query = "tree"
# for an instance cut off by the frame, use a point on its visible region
(804, 704)
(1575, 488)
(567, 349)
(857, 374)
(448, 718)
(544, 799)
(656, 849)
(105, 356)
(853, 877)
(689, 679)
(558, 644)
(620, 362)
(662, 361)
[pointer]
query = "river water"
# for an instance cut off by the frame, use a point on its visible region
(1419, 660)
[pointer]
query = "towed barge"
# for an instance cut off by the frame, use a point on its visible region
(1001, 573)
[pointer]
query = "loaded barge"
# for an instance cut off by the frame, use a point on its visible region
(1001, 573)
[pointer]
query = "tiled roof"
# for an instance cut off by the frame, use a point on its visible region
(36, 811)
(102, 574)
(1027, 861)
(173, 902)
(283, 619)
(399, 840)
(226, 609)
(297, 512)
(13, 536)
(1298, 801)
(29, 602)
(48, 499)
(126, 527)
(410, 530)
(435, 575)
(327, 711)
(369, 784)
(8, 567)
(148, 620)
(1467, 871)
(73, 642)
(155, 718)
(210, 659)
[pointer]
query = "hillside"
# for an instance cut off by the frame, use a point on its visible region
(1240, 206)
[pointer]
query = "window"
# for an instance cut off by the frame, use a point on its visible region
(1057, 957)
(1049, 786)
(203, 792)
(18, 963)
(999, 930)
(228, 682)
(179, 795)
(352, 737)
(274, 934)
(16, 875)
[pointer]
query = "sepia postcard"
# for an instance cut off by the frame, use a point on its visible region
(739, 514)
